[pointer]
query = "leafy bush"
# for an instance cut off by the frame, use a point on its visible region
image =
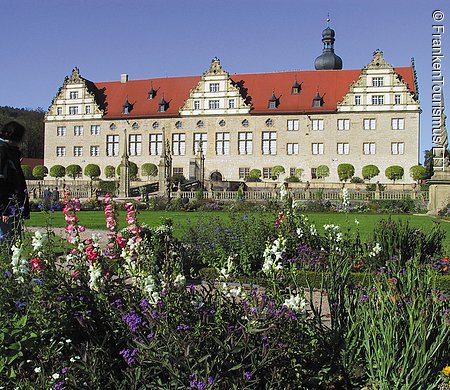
(57, 171)
(418, 173)
(394, 172)
(40, 171)
(277, 170)
(292, 179)
(149, 169)
(370, 171)
(110, 172)
(345, 171)
(92, 171)
(322, 171)
(357, 180)
(254, 175)
(27, 172)
(73, 171)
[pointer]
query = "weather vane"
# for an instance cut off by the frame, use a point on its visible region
(328, 19)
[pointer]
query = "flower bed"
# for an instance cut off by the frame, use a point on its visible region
(124, 315)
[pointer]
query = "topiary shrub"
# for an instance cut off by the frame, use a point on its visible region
(92, 171)
(345, 171)
(57, 171)
(149, 169)
(40, 171)
(356, 180)
(254, 175)
(370, 171)
(394, 172)
(27, 172)
(277, 170)
(73, 171)
(322, 171)
(418, 173)
(110, 172)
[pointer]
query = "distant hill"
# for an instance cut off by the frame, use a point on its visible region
(33, 120)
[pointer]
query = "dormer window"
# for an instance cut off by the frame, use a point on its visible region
(127, 107)
(163, 105)
(318, 100)
(273, 101)
(296, 88)
(151, 93)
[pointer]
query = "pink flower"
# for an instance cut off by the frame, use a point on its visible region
(121, 241)
(91, 253)
(36, 264)
(81, 228)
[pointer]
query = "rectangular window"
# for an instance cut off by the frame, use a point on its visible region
(230, 103)
(292, 172)
(95, 151)
(243, 173)
(377, 100)
(78, 151)
(357, 100)
(59, 111)
(196, 104)
(61, 131)
(317, 148)
(397, 99)
(317, 124)
(213, 104)
(78, 131)
(398, 124)
(177, 171)
(269, 142)
(60, 151)
(370, 124)
(245, 143)
(214, 87)
(343, 124)
(222, 144)
(397, 147)
(88, 109)
(73, 110)
(200, 138)
(95, 129)
(267, 173)
(112, 145)
(292, 124)
(179, 144)
(156, 144)
(73, 95)
(377, 81)
(292, 148)
(313, 173)
(343, 148)
(369, 147)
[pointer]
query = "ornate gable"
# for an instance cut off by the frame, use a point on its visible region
(77, 98)
(215, 94)
(379, 88)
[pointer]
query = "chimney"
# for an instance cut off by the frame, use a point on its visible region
(123, 78)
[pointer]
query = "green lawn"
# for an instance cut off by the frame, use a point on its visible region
(95, 220)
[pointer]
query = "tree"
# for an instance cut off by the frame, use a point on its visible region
(149, 169)
(254, 175)
(299, 172)
(39, 172)
(428, 163)
(370, 171)
(110, 172)
(27, 172)
(73, 171)
(418, 173)
(92, 171)
(57, 171)
(345, 171)
(277, 170)
(322, 171)
(394, 172)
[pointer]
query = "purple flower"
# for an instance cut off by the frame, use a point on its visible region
(65, 370)
(19, 304)
(247, 375)
(58, 385)
(133, 321)
(210, 380)
(183, 327)
(128, 355)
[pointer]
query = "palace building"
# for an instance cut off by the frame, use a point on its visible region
(298, 120)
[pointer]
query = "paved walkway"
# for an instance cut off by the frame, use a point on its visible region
(61, 232)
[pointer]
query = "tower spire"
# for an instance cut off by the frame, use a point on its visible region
(328, 59)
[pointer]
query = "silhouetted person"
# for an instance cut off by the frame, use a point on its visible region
(14, 205)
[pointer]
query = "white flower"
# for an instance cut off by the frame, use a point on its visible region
(356, 221)
(375, 250)
(38, 240)
(273, 255)
(299, 232)
(37, 370)
(295, 302)
(19, 263)
(95, 272)
(179, 280)
(313, 230)
(68, 341)
(72, 360)
(55, 376)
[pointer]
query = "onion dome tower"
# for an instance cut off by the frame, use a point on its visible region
(328, 59)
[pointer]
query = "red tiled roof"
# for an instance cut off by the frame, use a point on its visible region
(333, 85)
(32, 162)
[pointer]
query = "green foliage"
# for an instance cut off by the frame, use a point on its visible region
(107, 186)
(357, 180)
(133, 170)
(370, 171)
(394, 172)
(428, 163)
(27, 172)
(292, 179)
(40, 171)
(177, 178)
(299, 172)
(110, 172)
(345, 171)
(254, 175)
(149, 169)
(32, 145)
(92, 171)
(322, 171)
(418, 173)
(73, 171)
(57, 171)
(277, 170)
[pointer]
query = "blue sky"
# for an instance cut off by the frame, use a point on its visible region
(43, 40)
